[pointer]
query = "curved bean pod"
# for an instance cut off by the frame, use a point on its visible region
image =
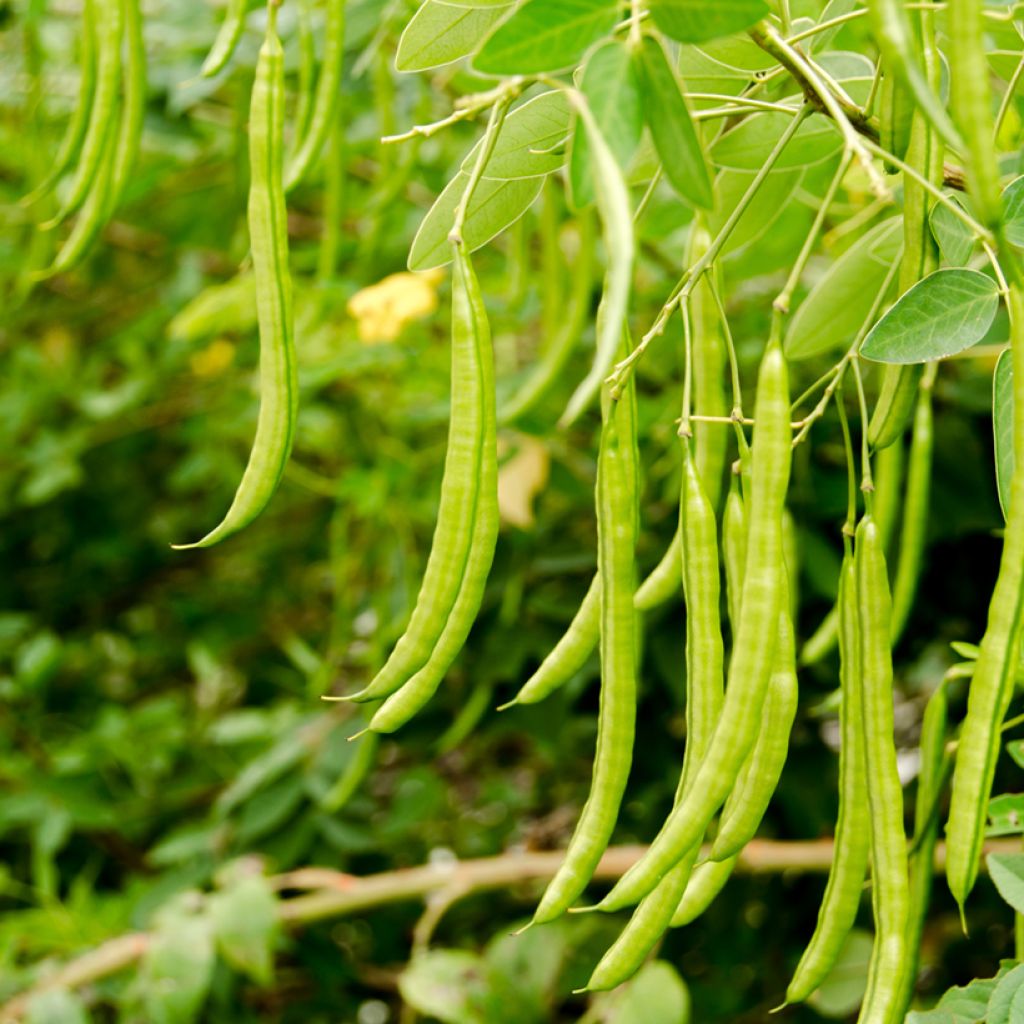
(751, 665)
(852, 839)
(268, 233)
(616, 532)
(109, 31)
(411, 698)
(992, 685)
(325, 105)
(71, 142)
(890, 882)
(704, 680)
(228, 36)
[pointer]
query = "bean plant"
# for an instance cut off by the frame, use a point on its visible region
(634, 164)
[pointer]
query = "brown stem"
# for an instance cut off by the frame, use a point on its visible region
(952, 175)
(335, 894)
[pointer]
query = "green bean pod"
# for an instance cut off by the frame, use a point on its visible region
(228, 37)
(411, 698)
(890, 882)
(572, 320)
(708, 369)
(325, 105)
(895, 39)
(753, 651)
(616, 534)
(268, 235)
(109, 32)
(970, 96)
(915, 511)
(74, 134)
(896, 114)
(926, 831)
(748, 802)
(992, 685)
(734, 549)
(704, 681)
(852, 839)
(579, 640)
(129, 134)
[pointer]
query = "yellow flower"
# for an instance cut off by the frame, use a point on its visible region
(382, 310)
(214, 359)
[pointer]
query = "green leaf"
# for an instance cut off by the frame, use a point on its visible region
(1013, 210)
(837, 306)
(672, 128)
(695, 21)
(1007, 871)
(954, 238)
(746, 146)
(448, 985)
(774, 198)
(1002, 426)
(657, 995)
(440, 33)
(617, 227)
(530, 963)
(56, 1006)
(1005, 815)
(512, 180)
(833, 9)
(1006, 1005)
(545, 35)
(176, 971)
(245, 926)
(945, 313)
(609, 84)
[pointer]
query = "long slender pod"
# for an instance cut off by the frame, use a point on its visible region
(992, 684)
(915, 510)
(616, 536)
(74, 134)
(889, 873)
(406, 702)
(133, 109)
(559, 349)
(103, 111)
(926, 832)
(708, 367)
(705, 883)
(228, 37)
(753, 651)
(898, 395)
(268, 235)
(328, 95)
(852, 838)
(704, 682)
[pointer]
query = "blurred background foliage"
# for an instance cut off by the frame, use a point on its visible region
(160, 710)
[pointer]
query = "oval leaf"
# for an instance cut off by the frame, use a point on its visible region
(951, 234)
(835, 309)
(1005, 1005)
(945, 313)
(440, 33)
(696, 21)
(1013, 211)
(1002, 426)
(610, 87)
(245, 926)
(56, 1006)
(1007, 871)
(672, 129)
(545, 35)
(657, 995)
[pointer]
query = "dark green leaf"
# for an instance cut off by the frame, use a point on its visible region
(672, 128)
(945, 313)
(1002, 426)
(610, 87)
(694, 21)
(545, 35)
